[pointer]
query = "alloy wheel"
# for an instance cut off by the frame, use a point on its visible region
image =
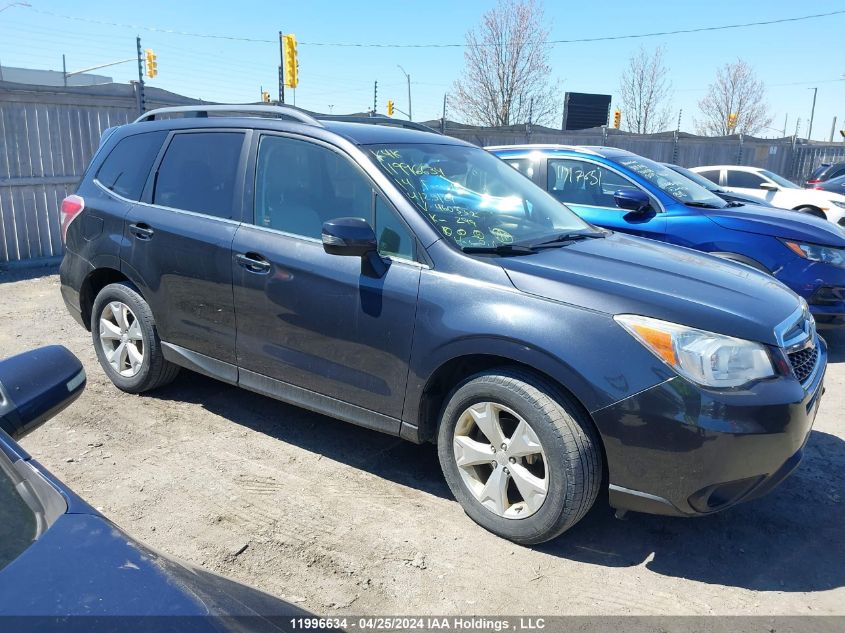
(121, 338)
(501, 460)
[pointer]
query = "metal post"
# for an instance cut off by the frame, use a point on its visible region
(739, 154)
(812, 114)
(832, 130)
(281, 69)
(64, 70)
(785, 119)
(375, 97)
(530, 115)
(675, 145)
(408, 77)
(142, 105)
(443, 118)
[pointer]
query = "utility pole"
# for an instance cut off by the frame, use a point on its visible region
(64, 70)
(281, 70)
(812, 112)
(443, 118)
(832, 129)
(142, 105)
(785, 119)
(375, 97)
(409, 91)
(680, 114)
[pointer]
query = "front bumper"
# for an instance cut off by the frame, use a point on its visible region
(678, 449)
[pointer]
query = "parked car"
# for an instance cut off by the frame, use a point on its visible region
(824, 173)
(777, 190)
(64, 566)
(415, 284)
(622, 191)
(727, 196)
(836, 185)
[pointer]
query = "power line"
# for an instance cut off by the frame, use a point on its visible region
(606, 38)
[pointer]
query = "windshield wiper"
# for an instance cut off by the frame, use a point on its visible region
(703, 205)
(501, 249)
(566, 238)
(736, 204)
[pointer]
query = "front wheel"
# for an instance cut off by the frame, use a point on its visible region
(523, 460)
(126, 340)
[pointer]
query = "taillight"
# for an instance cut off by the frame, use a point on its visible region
(813, 180)
(72, 206)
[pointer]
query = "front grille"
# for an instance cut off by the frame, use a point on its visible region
(804, 361)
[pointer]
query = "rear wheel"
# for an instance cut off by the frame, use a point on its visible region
(522, 459)
(126, 341)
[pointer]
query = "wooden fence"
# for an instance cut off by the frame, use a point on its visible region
(47, 137)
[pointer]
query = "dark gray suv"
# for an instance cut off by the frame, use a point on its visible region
(415, 284)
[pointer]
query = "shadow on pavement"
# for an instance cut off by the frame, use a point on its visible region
(9, 275)
(790, 540)
(835, 340)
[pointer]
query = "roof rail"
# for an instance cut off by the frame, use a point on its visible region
(202, 111)
(377, 120)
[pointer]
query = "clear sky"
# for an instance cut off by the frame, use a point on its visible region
(790, 58)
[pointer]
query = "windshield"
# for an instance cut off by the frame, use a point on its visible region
(671, 182)
(780, 180)
(696, 178)
(19, 527)
(473, 198)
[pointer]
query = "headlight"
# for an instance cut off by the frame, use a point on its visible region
(705, 358)
(816, 253)
(841, 205)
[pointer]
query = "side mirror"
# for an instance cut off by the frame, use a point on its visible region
(354, 237)
(768, 186)
(632, 200)
(35, 386)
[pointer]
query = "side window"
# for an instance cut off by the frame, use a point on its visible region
(394, 238)
(581, 183)
(523, 165)
(711, 174)
(300, 185)
(743, 179)
(199, 171)
(127, 166)
(836, 173)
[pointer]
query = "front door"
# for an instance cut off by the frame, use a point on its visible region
(177, 243)
(314, 320)
(587, 188)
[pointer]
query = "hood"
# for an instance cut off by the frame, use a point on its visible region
(622, 274)
(778, 223)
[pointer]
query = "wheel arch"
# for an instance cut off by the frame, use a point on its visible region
(810, 209)
(743, 259)
(93, 283)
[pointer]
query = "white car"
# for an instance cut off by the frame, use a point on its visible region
(776, 190)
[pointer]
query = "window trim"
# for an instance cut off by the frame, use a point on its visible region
(250, 187)
(657, 204)
(237, 193)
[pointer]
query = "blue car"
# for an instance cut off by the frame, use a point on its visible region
(625, 192)
(66, 567)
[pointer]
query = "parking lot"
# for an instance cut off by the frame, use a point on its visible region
(344, 520)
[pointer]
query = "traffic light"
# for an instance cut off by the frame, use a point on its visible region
(732, 117)
(265, 96)
(152, 64)
(617, 118)
(390, 107)
(291, 62)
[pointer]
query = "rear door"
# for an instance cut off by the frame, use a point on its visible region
(314, 322)
(178, 240)
(587, 188)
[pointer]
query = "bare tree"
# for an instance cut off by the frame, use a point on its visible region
(644, 92)
(735, 103)
(506, 78)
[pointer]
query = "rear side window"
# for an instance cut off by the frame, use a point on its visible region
(836, 172)
(198, 173)
(744, 179)
(524, 166)
(127, 166)
(711, 174)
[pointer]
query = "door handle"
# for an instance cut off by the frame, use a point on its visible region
(141, 231)
(253, 262)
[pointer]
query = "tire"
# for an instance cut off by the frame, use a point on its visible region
(818, 213)
(569, 452)
(129, 371)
